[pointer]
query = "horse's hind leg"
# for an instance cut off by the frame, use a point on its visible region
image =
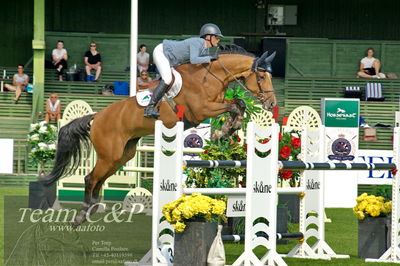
(94, 181)
(128, 154)
(102, 168)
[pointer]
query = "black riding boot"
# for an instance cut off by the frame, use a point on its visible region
(157, 95)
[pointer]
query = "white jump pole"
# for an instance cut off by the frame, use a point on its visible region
(133, 47)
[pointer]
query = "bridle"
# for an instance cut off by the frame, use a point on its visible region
(254, 69)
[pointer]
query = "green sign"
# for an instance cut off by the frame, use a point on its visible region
(337, 112)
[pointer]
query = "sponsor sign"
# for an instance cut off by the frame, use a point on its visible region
(6, 156)
(341, 143)
(236, 206)
(374, 177)
(340, 112)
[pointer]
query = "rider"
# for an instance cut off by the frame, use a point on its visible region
(170, 53)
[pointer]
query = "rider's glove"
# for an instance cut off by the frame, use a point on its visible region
(213, 57)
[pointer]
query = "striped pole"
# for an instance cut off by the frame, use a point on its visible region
(279, 236)
(215, 164)
(294, 165)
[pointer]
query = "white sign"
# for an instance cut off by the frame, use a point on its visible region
(374, 177)
(236, 206)
(6, 156)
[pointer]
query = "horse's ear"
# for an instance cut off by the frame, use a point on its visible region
(262, 58)
(270, 58)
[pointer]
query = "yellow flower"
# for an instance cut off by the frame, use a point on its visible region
(360, 215)
(387, 207)
(179, 227)
(361, 197)
(362, 205)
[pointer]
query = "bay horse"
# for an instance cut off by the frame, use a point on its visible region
(115, 130)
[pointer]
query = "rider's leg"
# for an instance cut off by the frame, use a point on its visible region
(164, 68)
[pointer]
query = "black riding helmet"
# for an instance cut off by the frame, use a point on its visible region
(210, 29)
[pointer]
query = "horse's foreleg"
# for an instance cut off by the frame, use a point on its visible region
(234, 122)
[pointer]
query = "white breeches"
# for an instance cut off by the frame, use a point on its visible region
(162, 64)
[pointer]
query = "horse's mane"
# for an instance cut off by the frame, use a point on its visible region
(233, 49)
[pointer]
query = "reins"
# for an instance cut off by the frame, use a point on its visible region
(255, 70)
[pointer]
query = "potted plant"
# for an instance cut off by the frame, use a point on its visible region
(42, 139)
(194, 219)
(373, 225)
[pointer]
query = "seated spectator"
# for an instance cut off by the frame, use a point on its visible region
(370, 66)
(143, 59)
(92, 61)
(20, 81)
(53, 108)
(143, 81)
(60, 57)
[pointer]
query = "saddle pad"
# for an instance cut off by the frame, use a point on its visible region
(143, 97)
(176, 87)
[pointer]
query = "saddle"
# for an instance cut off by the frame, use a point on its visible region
(143, 96)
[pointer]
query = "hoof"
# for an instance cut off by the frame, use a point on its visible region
(217, 135)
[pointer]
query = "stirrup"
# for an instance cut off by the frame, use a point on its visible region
(150, 112)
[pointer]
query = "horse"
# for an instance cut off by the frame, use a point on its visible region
(115, 130)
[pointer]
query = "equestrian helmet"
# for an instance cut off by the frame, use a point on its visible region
(210, 29)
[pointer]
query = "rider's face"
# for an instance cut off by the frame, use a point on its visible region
(214, 40)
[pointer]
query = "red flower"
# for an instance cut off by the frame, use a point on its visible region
(394, 171)
(265, 141)
(287, 174)
(238, 139)
(280, 136)
(285, 152)
(205, 151)
(296, 142)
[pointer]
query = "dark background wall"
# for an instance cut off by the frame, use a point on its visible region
(347, 19)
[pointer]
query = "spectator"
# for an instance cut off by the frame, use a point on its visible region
(53, 108)
(92, 61)
(143, 58)
(370, 66)
(20, 81)
(60, 57)
(144, 81)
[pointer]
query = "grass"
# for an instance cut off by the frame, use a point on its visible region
(341, 235)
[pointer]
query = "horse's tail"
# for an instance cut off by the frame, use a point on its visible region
(71, 138)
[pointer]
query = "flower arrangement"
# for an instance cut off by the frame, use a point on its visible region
(191, 208)
(42, 137)
(371, 206)
(224, 149)
(289, 150)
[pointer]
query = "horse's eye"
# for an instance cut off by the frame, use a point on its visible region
(262, 77)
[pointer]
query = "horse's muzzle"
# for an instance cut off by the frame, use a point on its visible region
(267, 105)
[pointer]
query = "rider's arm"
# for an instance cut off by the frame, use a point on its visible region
(196, 56)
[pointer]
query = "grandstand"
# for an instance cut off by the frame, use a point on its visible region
(316, 65)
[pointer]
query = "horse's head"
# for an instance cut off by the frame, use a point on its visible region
(259, 82)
